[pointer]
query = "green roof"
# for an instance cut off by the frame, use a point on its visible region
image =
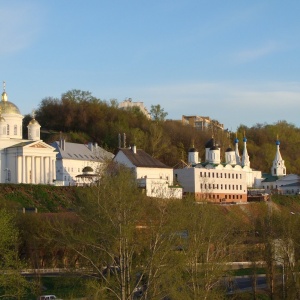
(269, 177)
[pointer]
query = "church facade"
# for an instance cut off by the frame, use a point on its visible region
(217, 181)
(28, 161)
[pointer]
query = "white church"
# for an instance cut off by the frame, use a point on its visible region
(28, 161)
(217, 181)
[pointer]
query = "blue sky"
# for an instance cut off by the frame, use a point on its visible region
(234, 61)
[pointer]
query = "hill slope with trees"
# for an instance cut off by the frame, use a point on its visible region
(80, 117)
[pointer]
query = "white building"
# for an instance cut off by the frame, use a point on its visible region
(129, 104)
(278, 181)
(152, 175)
(212, 180)
(23, 161)
(72, 160)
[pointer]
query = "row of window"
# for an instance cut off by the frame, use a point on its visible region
(7, 130)
(225, 197)
(209, 186)
(220, 175)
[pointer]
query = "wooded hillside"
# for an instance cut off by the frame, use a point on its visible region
(81, 117)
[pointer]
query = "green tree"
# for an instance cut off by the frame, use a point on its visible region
(12, 284)
(158, 113)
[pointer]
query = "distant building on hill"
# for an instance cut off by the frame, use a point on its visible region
(202, 123)
(129, 104)
(28, 161)
(78, 164)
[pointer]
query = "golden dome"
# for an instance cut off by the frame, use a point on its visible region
(33, 122)
(9, 108)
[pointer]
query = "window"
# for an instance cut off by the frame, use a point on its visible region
(7, 129)
(221, 186)
(236, 187)
(208, 174)
(213, 175)
(200, 174)
(225, 186)
(236, 176)
(224, 175)
(15, 130)
(220, 175)
(241, 187)
(240, 176)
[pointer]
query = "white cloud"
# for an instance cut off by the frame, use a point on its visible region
(19, 25)
(249, 55)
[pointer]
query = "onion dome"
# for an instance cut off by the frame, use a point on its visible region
(192, 149)
(229, 149)
(33, 122)
(210, 143)
(236, 140)
(277, 142)
(214, 148)
(87, 169)
(6, 106)
(244, 139)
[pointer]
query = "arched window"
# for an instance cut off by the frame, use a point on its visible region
(7, 129)
(15, 129)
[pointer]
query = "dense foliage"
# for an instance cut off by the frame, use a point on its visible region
(127, 246)
(80, 117)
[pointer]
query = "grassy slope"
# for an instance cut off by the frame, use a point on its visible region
(45, 198)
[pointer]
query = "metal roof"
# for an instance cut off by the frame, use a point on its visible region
(80, 152)
(142, 159)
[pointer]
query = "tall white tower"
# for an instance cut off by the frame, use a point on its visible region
(245, 156)
(278, 167)
(237, 153)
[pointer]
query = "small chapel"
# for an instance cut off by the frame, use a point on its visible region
(29, 161)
